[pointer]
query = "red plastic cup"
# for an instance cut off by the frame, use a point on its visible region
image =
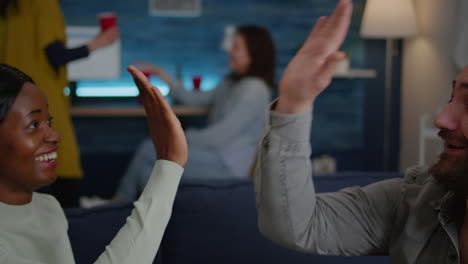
(107, 20)
(196, 82)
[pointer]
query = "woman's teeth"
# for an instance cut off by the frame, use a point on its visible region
(47, 157)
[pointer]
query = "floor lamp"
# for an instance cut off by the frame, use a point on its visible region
(390, 20)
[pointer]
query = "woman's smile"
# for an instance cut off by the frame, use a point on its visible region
(48, 158)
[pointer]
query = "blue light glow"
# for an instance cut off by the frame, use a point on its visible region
(95, 91)
(126, 87)
(113, 89)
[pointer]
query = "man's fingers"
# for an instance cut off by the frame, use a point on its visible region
(330, 64)
(342, 10)
(330, 32)
(338, 24)
(321, 22)
(318, 26)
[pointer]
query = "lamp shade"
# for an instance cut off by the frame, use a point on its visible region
(388, 19)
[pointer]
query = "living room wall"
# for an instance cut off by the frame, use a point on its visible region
(348, 117)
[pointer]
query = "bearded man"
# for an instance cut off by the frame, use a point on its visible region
(420, 218)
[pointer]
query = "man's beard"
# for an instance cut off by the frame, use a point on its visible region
(452, 170)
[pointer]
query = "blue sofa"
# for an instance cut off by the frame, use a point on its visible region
(212, 222)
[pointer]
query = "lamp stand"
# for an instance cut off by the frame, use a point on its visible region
(388, 103)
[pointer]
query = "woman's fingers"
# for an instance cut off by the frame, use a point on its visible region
(165, 129)
(153, 100)
(157, 95)
(147, 89)
(143, 84)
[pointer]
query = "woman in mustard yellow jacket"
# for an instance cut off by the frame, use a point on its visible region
(33, 40)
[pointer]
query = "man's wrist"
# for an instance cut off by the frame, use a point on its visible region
(286, 107)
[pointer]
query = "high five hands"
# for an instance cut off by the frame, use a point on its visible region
(165, 129)
(312, 68)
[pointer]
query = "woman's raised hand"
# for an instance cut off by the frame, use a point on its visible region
(104, 39)
(311, 70)
(165, 129)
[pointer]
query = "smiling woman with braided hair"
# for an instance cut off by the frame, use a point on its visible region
(33, 227)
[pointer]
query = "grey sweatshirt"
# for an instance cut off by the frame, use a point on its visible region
(411, 219)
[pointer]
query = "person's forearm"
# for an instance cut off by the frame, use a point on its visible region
(286, 151)
(59, 55)
(293, 215)
(286, 107)
(138, 241)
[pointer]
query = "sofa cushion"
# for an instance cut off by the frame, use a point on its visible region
(212, 222)
(216, 222)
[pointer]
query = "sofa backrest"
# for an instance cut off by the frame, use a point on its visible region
(91, 230)
(212, 222)
(216, 222)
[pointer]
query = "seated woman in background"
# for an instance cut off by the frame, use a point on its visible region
(226, 147)
(33, 227)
